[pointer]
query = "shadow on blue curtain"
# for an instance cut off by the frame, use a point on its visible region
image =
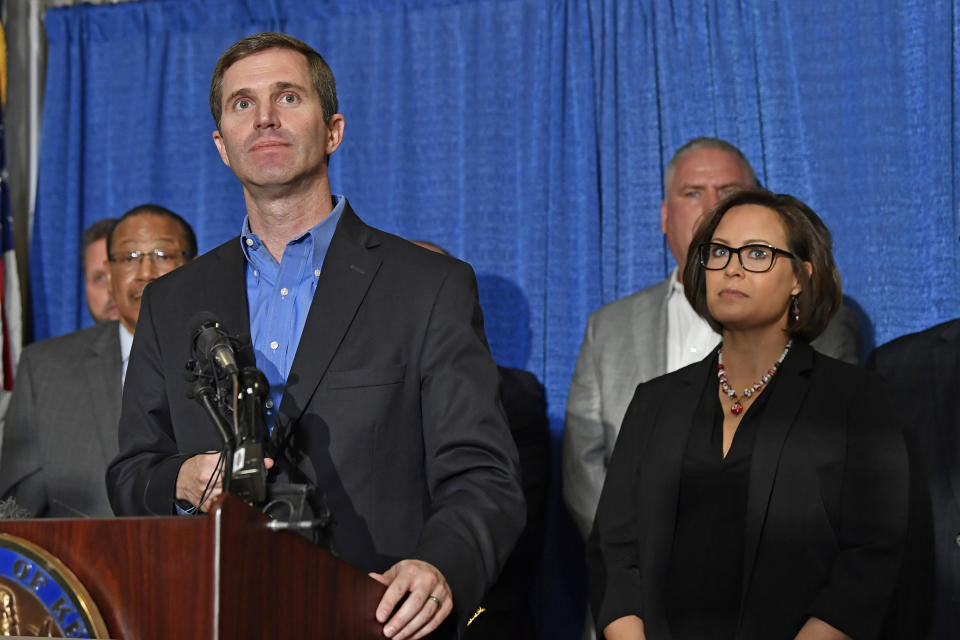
(506, 319)
(529, 139)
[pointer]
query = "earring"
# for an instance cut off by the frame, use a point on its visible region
(795, 307)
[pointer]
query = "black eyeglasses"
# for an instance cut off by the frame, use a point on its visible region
(756, 258)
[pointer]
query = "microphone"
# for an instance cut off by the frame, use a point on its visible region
(210, 341)
(247, 444)
(206, 375)
(248, 473)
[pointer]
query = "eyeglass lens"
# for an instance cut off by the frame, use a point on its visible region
(753, 257)
(159, 257)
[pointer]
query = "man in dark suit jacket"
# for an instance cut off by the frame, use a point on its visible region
(374, 350)
(61, 427)
(924, 367)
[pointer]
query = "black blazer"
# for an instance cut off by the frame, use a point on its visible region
(393, 397)
(924, 368)
(826, 504)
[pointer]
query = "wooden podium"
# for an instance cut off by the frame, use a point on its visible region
(222, 576)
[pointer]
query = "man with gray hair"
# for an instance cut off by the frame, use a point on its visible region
(655, 331)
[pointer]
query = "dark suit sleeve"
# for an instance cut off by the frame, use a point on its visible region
(141, 480)
(874, 510)
(21, 466)
(616, 584)
(477, 507)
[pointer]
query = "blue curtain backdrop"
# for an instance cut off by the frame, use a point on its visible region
(528, 138)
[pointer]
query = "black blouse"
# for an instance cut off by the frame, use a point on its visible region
(705, 576)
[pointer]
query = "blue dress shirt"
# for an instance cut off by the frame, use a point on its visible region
(279, 298)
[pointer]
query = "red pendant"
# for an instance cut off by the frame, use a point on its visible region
(737, 408)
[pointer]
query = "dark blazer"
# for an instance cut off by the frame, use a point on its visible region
(924, 368)
(60, 430)
(508, 611)
(393, 397)
(826, 503)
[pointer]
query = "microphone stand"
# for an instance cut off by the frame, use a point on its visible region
(205, 393)
(290, 505)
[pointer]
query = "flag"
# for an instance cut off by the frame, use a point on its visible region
(10, 303)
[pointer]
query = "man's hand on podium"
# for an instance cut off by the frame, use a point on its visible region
(428, 604)
(193, 479)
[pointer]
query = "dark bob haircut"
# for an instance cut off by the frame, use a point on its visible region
(808, 239)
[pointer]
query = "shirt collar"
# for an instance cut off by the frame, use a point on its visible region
(676, 287)
(126, 343)
(321, 234)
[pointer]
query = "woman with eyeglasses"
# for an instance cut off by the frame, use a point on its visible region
(762, 492)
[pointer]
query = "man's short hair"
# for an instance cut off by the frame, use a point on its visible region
(320, 72)
(808, 239)
(705, 143)
(156, 209)
(99, 230)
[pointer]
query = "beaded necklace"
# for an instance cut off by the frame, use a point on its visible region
(737, 407)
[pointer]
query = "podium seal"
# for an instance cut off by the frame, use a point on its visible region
(40, 596)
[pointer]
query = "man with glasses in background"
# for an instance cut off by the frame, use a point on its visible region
(61, 427)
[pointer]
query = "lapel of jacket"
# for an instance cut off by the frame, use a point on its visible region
(348, 270)
(945, 374)
(663, 461)
(779, 415)
(103, 365)
(225, 295)
(650, 329)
